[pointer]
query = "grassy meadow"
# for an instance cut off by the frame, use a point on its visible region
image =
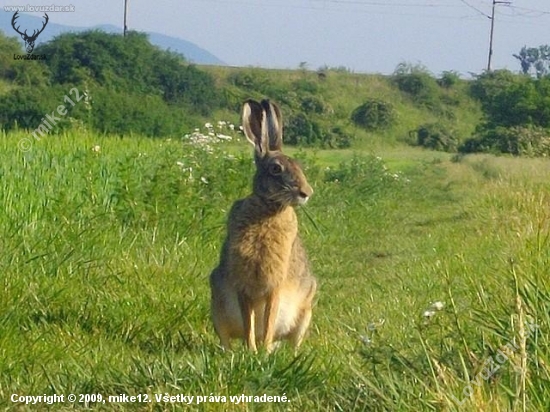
(429, 264)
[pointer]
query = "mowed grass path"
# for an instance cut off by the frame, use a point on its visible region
(106, 253)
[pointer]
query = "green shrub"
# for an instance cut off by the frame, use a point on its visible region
(516, 112)
(516, 140)
(129, 64)
(374, 114)
(249, 79)
(302, 130)
(448, 79)
(124, 113)
(510, 99)
(313, 104)
(337, 138)
(417, 82)
(436, 136)
(305, 86)
(26, 107)
(22, 72)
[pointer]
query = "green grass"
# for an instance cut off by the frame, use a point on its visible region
(106, 257)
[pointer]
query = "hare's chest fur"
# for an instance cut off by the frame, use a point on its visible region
(261, 249)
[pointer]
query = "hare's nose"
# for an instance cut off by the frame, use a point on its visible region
(306, 191)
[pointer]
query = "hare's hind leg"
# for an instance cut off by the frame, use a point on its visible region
(270, 318)
(304, 320)
(218, 308)
(248, 314)
(298, 334)
(221, 325)
(225, 338)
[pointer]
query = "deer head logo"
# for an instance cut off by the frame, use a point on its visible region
(29, 40)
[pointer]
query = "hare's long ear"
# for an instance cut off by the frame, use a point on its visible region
(274, 122)
(255, 126)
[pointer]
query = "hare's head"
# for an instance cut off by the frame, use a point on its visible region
(279, 179)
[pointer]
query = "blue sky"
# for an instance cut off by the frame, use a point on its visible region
(362, 35)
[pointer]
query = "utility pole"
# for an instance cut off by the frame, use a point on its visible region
(125, 16)
(495, 2)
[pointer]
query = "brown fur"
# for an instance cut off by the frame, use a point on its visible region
(262, 289)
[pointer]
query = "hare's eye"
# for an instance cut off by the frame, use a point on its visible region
(275, 169)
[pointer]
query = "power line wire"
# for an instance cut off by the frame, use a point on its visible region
(293, 5)
(475, 8)
(527, 10)
(383, 4)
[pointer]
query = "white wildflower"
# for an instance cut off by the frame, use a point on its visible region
(365, 339)
(438, 305)
(428, 314)
(96, 148)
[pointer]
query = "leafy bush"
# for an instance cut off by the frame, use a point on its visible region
(448, 79)
(436, 136)
(249, 79)
(129, 64)
(8, 47)
(374, 114)
(22, 72)
(313, 104)
(124, 113)
(338, 138)
(305, 86)
(418, 83)
(516, 140)
(26, 107)
(301, 130)
(508, 99)
(516, 114)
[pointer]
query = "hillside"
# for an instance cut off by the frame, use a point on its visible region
(328, 98)
(177, 97)
(134, 87)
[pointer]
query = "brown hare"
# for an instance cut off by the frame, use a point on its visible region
(262, 289)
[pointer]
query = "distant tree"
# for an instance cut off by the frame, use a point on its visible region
(131, 65)
(21, 72)
(535, 60)
(510, 99)
(25, 107)
(8, 47)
